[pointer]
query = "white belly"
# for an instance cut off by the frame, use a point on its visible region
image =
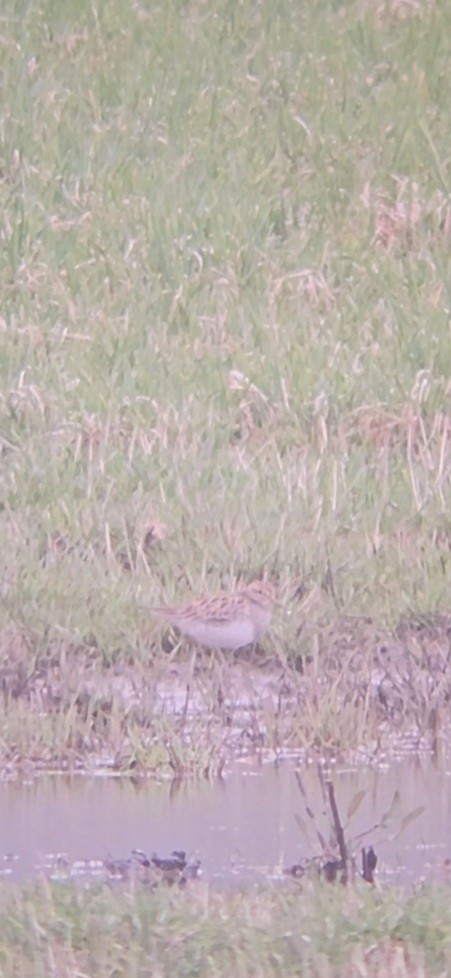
(220, 634)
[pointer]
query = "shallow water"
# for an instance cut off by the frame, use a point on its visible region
(242, 829)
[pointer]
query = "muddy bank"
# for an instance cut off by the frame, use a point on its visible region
(354, 687)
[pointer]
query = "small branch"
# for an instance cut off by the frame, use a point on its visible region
(342, 848)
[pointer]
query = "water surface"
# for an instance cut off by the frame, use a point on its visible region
(242, 829)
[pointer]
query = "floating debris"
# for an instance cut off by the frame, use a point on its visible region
(167, 869)
(296, 871)
(331, 869)
(369, 863)
(176, 861)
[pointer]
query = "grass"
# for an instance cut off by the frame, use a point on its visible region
(224, 271)
(314, 929)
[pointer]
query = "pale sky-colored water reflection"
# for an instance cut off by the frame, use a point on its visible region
(242, 829)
